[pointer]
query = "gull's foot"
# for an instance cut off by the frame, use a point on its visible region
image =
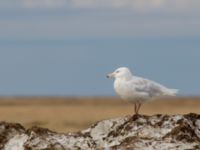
(135, 117)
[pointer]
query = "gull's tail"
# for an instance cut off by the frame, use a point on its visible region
(171, 92)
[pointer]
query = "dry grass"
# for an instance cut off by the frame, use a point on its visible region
(71, 114)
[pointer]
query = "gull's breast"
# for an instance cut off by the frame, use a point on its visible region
(123, 89)
(127, 91)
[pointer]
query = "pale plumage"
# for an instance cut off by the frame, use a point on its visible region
(137, 89)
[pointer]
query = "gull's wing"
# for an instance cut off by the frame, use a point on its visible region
(150, 87)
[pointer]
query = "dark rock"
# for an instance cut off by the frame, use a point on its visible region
(157, 132)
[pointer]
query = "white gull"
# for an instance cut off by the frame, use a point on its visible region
(137, 89)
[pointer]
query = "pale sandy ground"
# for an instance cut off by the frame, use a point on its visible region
(72, 114)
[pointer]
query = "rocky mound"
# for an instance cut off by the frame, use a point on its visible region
(158, 132)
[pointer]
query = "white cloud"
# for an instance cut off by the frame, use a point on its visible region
(171, 18)
(116, 4)
(43, 3)
(139, 5)
(130, 5)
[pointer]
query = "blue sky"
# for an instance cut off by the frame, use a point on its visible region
(66, 47)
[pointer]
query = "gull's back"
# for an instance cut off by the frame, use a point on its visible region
(152, 88)
(140, 88)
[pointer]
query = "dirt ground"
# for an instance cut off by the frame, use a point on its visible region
(68, 114)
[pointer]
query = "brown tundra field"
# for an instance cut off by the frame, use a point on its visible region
(68, 114)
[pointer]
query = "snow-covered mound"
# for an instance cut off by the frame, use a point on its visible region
(157, 132)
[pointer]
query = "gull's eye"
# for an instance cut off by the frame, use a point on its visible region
(117, 71)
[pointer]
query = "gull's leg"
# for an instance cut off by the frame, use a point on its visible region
(135, 109)
(138, 108)
(135, 116)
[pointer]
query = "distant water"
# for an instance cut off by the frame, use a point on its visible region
(77, 66)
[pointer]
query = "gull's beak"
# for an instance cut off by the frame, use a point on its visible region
(111, 75)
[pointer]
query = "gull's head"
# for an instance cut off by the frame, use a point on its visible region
(121, 73)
